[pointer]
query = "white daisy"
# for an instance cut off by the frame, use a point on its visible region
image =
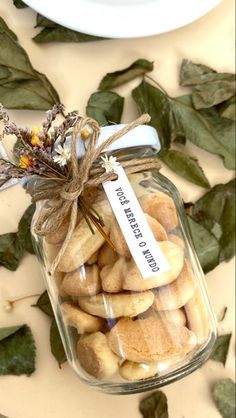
(109, 163)
(63, 154)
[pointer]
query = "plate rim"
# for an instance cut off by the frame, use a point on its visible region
(110, 27)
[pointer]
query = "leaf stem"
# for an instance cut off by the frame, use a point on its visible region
(158, 84)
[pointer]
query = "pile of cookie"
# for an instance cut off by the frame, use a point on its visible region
(128, 326)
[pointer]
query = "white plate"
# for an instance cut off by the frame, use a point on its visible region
(123, 18)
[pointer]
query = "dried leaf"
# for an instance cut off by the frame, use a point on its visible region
(3, 416)
(192, 74)
(32, 90)
(24, 233)
(152, 100)
(221, 348)
(117, 78)
(224, 397)
(57, 348)
(44, 304)
(11, 251)
(19, 4)
(218, 206)
(206, 245)
(209, 87)
(44, 22)
(53, 32)
(17, 353)
(154, 406)
(206, 129)
(4, 27)
(61, 34)
(105, 107)
(185, 166)
(7, 331)
(228, 109)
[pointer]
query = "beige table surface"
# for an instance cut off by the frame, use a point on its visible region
(75, 70)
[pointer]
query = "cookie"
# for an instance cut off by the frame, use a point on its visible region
(93, 259)
(161, 207)
(106, 256)
(80, 320)
(177, 316)
(178, 293)
(59, 235)
(50, 251)
(175, 257)
(157, 229)
(198, 317)
(119, 241)
(176, 240)
(112, 276)
(117, 305)
(84, 281)
(149, 340)
(83, 243)
(132, 371)
(96, 357)
(137, 371)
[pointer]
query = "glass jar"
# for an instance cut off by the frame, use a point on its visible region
(123, 333)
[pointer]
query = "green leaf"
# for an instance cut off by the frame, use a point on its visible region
(24, 88)
(7, 331)
(152, 100)
(154, 406)
(206, 245)
(224, 397)
(185, 166)
(57, 348)
(44, 304)
(11, 251)
(218, 205)
(117, 78)
(209, 87)
(206, 129)
(24, 233)
(105, 107)
(19, 4)
(17, 353)
(61, 34)
(221, 348)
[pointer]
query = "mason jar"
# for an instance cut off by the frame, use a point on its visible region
(130, 319)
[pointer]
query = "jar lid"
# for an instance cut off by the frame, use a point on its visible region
(142, 135)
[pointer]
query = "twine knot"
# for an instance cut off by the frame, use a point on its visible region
(65, 198)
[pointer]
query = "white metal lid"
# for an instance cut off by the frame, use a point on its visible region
(142, 135)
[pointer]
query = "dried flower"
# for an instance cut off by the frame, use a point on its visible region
(63, 154)
(86, 132)
(109, 163)
(25, 162)
(35, 137)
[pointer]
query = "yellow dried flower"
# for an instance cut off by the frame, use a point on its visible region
(86, 132)
(25, 162)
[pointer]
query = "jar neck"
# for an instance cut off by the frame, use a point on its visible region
(133, 152)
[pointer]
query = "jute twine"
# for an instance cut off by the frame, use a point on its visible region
(63, 196)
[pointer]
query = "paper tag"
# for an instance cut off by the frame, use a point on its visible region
(143, 246)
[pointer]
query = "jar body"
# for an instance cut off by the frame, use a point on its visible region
(123, 333)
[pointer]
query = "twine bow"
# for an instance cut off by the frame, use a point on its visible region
(64, 197)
